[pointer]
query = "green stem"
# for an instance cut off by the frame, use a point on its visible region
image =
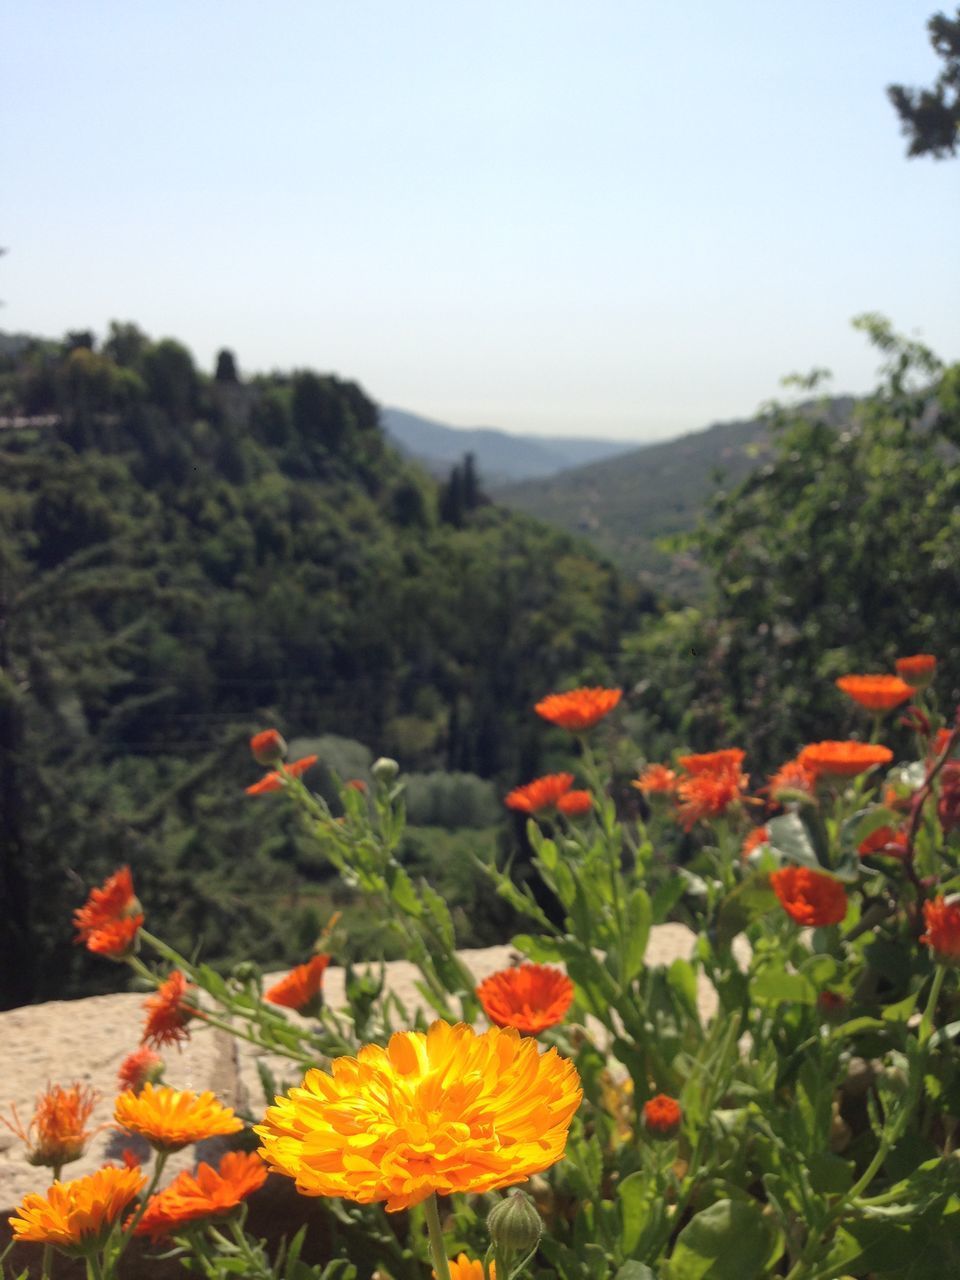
(435, 1231)
(94, 1269)
(45, 1264)
(926, 1022)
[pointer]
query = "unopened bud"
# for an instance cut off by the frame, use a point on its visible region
(515, 1228)
(268, 747)
(385, 770)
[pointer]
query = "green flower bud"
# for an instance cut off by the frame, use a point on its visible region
(385, 770)
(515, 1228)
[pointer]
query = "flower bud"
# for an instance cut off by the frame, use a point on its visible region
(515, 1228)
(662, 1116)
(268, 747)
(384, 770)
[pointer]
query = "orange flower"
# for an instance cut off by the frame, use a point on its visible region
(713, 761)
(580, 709)
(168, 1012)
(876, 693)
(530, 997)
(268, 747)
(202, 1194)
(883, 841)
(711, 790)
(662, 1116)
(444, 1111)
(843, 759)
(276, 781)
(139, 1067)
(464, 1268)
(78, 1215)
(656, 780)
(792, 776)
(940, 740)
(809, 897)
(173, 1118)
(916, 670)
(302, 987)
(753, 840)
(356, 784)
(942, 918)
(109, 919)
(542, 793)
(57, 1132)
(575, 803)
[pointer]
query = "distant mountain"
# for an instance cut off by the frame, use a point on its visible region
(500, 456)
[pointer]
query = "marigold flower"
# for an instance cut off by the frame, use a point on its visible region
(268, 747)
(656, 780)
(464, 1268)
(753, 840)
(662, 1116)
(542, 793)
(173, 1118)
(883, 841)
(917, 670)
(203, 1194)
(77, 1215)
(948, 801)
(713, 761)
(843, 759)
(575, 803)
(792, 776)
(276, 781)
(530, 997)
(809, 897)
(580, 709)
(876, 693)
(168, 1012)
(109, 919)
(302, 987)
(711, 791)
(443, 1111)
(57, 1132)
(942, 918)
(138, 1067)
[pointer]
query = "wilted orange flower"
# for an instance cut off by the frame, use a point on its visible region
(78, 1215)
(301, 988)
(542, 793)
(580, 709)
(169, 1011)
(443, 1111)
(843, 759)
(275, 781)
(173, 1118)
(883, 841)
(656, 779)
(917, 670)
(464, 1268)
(753, 840)
(876, 693)
(109, 919)
(530, 997)
(710, 792)
(57, 1132)
(268, 747)
(809, 897)
(575, 803)
(202, 1194)
(662, 1116)
(713, 761)
(139, 1067)
(792, 776)
(942, 918)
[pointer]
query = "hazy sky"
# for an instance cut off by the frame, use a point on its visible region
(610, 218)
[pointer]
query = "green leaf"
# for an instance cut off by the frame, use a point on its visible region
(543, 950)
(790, 837)
(402, 891)
(682, 980)
(731, 1240)
(829, 1174)
(746, 902)
(666, 898)
(776, 986)
(641, 1212)
(639, 919)
(635, 1271)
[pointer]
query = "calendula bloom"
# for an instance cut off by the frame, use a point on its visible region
(443, 1111)
(575, 803)
(464, 1268)
(530, 997)
(884, 841)
(710, 792)
(713, 761)
(57, 1133)
(876, 693)
(662, 1116)
(917, 670)
(138, 1067)
(753, 840)
(656, 780)
(116, 939)
(173, 1118)
(580, 709)
(109, 919)
(77, 1215)
(811, 898)
(542, 793)
(844, 759)
(169, 1011)
(276, 781)
(203, 1194)
(942, 918)
(302, 987)
(792, 776)
(268, 747)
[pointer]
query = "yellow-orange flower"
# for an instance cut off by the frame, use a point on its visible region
(843, 759)
(656, 780)
(57, 1133)
(173, 1118)
(202, 1194)
(942, 919)
(580, 709)
(809, 897)
(301, 988)
(542, 793)
(169, 1011)
(275, 781)
(109, 919)
(530, 997)
(917, 670)
(80, 1214)
(876, 693)
(443, 1111)
(464, 1268)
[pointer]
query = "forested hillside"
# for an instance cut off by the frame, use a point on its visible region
(184, 559)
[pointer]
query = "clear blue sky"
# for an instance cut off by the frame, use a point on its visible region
(612, 218)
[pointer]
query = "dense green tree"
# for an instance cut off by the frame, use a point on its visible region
(226, 370)
(931, 117)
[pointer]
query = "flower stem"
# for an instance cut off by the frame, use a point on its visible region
(435, 1231)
